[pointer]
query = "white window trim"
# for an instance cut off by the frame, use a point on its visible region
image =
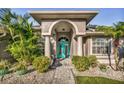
(96, 54)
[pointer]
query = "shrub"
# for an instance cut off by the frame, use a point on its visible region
(41, 64)
(75, 59)
(21, 68)
(4, 67)
(93, 61)
(103, 67)
(81, 63)
(4, 64)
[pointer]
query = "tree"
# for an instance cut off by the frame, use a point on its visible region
(116, 31)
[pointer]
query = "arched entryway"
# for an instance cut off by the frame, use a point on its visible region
(63, 48)
(56, 39)
(63, 34)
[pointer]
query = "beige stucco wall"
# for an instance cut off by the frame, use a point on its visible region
(81, 25)
(45, 25)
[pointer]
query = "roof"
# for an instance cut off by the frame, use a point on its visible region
(40, 15)
(95, 34)
(36, 27)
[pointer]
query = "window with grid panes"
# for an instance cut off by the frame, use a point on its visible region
(99, 45)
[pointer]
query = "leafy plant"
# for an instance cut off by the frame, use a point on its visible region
(103, 67)
(93, 60)
(75, 59)
(21, 68)
(81, 63)
(4, 64)
(4, 67)
(41, 64)
(23, 42)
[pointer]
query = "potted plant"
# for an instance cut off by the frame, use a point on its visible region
(4, 67)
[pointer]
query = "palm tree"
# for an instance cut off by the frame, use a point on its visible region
(5, 20)
(23, 43)
(116, 31)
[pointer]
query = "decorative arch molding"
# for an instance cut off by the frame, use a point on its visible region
(64, 36)
(63, 20)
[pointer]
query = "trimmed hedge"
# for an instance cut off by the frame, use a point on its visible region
(41, 64)
(83, 63)
(93, 61)
(103, 67)
(76, 58)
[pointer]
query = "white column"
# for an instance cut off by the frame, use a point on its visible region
(79, 45)
(90, 46)
(84, 49)
(73, 47)
(47, 46)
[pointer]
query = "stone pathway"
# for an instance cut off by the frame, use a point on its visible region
(64, 74)
(61, 75)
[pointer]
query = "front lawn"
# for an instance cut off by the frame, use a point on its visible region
(96, 80)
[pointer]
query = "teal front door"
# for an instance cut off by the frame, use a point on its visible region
(63, 49)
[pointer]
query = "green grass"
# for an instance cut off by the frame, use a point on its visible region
(96, 80)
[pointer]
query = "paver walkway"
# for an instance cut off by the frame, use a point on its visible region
(64, 74)
(61, 75)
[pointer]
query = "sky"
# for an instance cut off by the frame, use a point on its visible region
(106, 16)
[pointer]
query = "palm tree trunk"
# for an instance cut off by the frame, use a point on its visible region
(110, 64)
(116, 58)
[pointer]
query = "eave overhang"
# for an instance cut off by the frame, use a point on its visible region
(41, 15)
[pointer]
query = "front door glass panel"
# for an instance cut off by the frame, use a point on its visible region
(63, 49)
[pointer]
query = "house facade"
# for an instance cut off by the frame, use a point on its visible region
(66, 35)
